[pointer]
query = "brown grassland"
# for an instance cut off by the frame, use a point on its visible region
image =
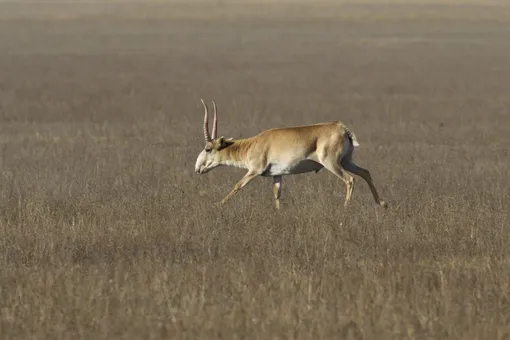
(106, 232)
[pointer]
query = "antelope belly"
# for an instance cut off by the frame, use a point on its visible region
(279, 169)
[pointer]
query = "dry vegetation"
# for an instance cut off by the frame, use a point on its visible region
(107, 233)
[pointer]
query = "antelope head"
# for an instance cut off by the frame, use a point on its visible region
(210, 157)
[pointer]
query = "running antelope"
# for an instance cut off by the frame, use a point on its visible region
(285, 151)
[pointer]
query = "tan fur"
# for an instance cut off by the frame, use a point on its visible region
(287, 151)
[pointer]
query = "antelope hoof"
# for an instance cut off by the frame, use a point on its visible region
(383, 204)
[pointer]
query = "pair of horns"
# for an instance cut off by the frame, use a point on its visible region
(208, 137)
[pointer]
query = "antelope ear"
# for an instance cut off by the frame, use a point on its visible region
(223, 142)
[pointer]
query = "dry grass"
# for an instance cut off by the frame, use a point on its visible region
(107, 233)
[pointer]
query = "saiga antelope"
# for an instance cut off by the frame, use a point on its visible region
(285, 151)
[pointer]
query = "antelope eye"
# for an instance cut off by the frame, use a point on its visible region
(208, 149)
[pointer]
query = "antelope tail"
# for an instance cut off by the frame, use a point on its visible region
(352, 137)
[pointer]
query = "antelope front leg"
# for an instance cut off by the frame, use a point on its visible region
(245, 180)
(277, 189)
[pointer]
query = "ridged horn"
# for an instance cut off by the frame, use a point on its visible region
(206, 122)
(215, 122)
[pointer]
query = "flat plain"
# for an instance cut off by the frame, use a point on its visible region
(106, 232)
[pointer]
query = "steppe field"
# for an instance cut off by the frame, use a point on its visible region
(106, 232)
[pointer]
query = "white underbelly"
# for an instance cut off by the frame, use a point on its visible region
(280, 169)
